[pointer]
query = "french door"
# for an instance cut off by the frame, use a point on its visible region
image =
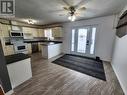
(83, 41)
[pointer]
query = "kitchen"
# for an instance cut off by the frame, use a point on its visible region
(30, 38)
(20, 40)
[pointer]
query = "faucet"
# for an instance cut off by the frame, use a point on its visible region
(48, 39)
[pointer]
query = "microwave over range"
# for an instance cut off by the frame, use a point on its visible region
(16, 33)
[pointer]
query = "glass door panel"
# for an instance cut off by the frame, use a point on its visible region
(92, 46)
(73, 40)
(82, 40)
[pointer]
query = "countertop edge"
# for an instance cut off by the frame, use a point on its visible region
(15, 58)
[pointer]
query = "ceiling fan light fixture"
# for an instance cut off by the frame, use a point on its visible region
(69, 17)
(72, 18)
(30, 21)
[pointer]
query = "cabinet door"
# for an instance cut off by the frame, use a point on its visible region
(29, 48)
(27, 33)
(57, 32)
(26, 30)
(9, 28)
(0, 30)
(39, 46)
(60, 31)
(34, 32)
(8, 50)
(5, 30)
(40, 32)
(53, 32)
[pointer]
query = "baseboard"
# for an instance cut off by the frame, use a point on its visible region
(105, 60)
(121, 84)
(9, 92)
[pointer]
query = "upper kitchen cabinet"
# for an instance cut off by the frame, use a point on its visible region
(40, 32)
(35, 32)
(5, 30)
(26, 30)
(0, 30)
(30, 31)
(27, 33)
(57, 32)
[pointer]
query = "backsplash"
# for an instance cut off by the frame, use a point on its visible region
(9, 40)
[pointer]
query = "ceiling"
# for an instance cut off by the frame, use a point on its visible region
(51, 11)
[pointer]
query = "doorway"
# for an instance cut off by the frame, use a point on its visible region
(83, 41)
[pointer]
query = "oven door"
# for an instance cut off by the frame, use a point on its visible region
(20, 48)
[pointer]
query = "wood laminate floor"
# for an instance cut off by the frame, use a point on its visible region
(52, 79)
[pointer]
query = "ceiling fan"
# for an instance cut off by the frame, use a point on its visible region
(74, 10)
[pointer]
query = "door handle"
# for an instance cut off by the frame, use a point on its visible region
(87, 42)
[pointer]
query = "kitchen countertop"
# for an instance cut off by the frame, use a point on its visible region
(34, 41)
(49, 43)
(16, 57)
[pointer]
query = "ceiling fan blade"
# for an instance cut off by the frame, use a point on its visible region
(54, 11)
(61, 2)
(64, 14)
(89, 12)
(82, 9)
(65, 8)
(61, 14)
(81, 3)
(66, 2)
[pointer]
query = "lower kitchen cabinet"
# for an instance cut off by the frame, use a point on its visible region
(29, 48)
(19, 72)
(39, 47)
(8, 50)
(49, 51)
(35, 47)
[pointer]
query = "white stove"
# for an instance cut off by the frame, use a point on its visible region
(21, 48)
(19, 45)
